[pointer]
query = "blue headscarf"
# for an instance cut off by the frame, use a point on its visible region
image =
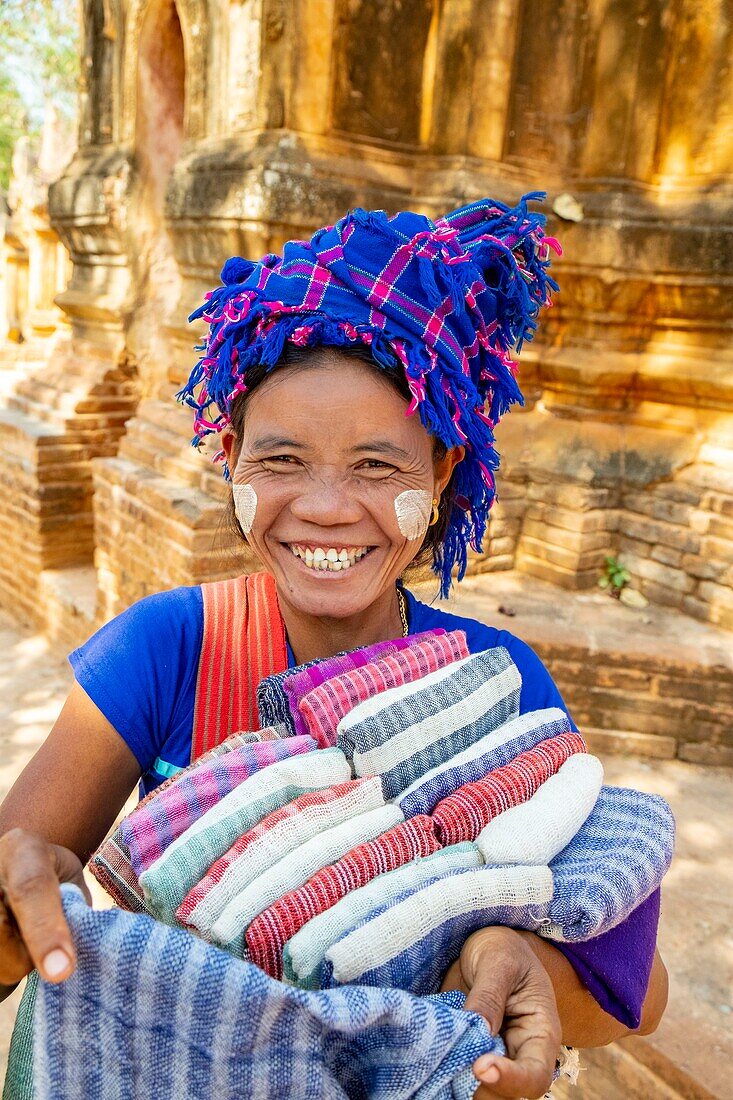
(446, 300)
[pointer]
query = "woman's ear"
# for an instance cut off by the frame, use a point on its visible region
(445, 466)
(228, 440)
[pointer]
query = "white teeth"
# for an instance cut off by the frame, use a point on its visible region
(330, 559)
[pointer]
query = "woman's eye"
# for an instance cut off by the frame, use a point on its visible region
(376, 465)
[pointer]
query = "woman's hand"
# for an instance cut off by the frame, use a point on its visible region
(507, 985)
(33, 930)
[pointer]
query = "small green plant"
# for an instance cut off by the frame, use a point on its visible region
(615, 576)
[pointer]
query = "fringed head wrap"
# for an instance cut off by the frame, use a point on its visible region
(448, 300)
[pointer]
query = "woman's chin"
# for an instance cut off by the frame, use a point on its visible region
(318, 592)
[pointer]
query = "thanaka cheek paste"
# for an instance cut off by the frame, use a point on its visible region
(245, 506)
(413, 508)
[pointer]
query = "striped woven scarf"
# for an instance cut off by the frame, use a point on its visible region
(278, 834)
(278, 695)
(410, 942)
(295, 869)
(615, 861)
(498, 747)
(323, 707)
(534, 832)
(465, 813)
(207, 1025)
(167, 881)
(404, 732)
(269, 932)
(111, 865)
(157, 822)
(304, 954)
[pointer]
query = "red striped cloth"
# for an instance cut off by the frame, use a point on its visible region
(463, 814)
(325, 706)
(243, 642)
(270, 931)
(291, 810)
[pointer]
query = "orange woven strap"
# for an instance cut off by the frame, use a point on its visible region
(243, 642)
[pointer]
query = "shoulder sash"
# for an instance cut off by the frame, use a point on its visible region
(243, 642)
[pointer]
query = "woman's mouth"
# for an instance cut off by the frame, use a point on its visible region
(328, 559)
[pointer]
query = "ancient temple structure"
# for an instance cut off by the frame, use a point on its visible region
(222, 127)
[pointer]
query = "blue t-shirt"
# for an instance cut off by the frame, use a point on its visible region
(141, 671)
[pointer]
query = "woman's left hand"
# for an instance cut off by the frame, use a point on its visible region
(507, 984)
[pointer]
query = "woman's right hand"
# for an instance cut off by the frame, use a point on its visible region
(33, 929)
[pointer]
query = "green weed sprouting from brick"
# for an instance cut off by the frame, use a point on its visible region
(615, 576)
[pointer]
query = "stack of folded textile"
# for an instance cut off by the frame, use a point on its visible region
(412, 804)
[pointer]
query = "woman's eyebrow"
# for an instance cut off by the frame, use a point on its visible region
(382, 447)
(266, 442)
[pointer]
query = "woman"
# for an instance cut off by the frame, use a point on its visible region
(315, 365)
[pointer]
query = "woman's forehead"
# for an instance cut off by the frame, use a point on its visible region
(343, 401)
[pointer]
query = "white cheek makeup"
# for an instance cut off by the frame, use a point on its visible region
(245, 506)
(413, 509)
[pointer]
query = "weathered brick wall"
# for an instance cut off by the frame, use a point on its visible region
(646, 704)
(204, 138)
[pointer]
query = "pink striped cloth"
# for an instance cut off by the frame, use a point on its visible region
(324, 706)
(167, 812)
(306, 679)
(269, 932)
(284, 822)
(463, 814)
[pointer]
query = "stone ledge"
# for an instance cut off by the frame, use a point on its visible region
(630, 684)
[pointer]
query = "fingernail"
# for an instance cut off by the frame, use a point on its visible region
(55, 963)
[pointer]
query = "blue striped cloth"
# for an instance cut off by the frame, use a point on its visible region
(615, 861)
(419, 934)
(152, 1011)
(495, 749)
(272, 702)
(403, 732)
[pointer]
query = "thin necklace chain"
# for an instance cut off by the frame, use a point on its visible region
(402, 602)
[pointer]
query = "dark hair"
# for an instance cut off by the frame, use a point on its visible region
(301, 358)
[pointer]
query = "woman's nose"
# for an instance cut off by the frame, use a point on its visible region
(327, 501)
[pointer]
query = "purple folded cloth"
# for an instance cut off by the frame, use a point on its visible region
(616, 966)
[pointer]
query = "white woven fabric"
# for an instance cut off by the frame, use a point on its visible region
(303, 955)
(505, 733)
(536, 830)
(295, 869)
(392, 931)
(271, 843)
(167, 881)
(464, 712)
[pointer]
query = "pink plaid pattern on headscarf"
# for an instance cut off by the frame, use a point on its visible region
(323, 708)
(269, 932)
(463, 814)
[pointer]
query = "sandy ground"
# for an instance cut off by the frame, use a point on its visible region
(695, 936)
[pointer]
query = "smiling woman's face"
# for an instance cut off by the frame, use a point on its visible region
(326, 449)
